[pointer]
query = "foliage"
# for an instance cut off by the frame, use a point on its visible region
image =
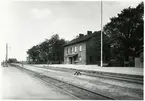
(48, 51)
(126, 31)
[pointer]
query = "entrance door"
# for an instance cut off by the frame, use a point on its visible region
(70, 60)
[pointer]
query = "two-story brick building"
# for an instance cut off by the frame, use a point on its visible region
(86, 49)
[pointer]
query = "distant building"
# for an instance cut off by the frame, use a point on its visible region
(85, 49)
(12, 60)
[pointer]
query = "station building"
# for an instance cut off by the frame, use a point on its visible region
(85, 49)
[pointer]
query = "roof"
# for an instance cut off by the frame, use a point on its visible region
(81, 39)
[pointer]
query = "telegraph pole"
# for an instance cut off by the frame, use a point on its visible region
(6, 60)
(101, 34)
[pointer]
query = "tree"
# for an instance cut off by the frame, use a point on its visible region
(34, 54)
(126, 31)
(56, 48)
(50, 50)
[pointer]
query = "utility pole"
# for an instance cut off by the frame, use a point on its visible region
(6, 60)
(101, 34)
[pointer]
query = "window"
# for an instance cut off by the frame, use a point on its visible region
(75, 49)
(67, 50)
(71, 50)
(80, 59)
(80, 48)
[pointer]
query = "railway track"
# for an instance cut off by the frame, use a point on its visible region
(120, 77)
(77, 91)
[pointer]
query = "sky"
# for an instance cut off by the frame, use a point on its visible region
(24, 23)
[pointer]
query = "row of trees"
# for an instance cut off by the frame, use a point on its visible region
(125, 33)
(51, 50)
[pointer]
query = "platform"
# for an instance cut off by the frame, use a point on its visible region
(118, 70)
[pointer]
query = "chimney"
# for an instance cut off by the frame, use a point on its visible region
(81, 35)
(89, 32)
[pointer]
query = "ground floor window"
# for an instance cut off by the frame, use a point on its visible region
(80, 58)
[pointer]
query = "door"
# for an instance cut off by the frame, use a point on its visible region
(70, 60)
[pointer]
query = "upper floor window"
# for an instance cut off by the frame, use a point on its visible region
(75, 49)
(71, 50)
(80, 48)
(67, 50)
